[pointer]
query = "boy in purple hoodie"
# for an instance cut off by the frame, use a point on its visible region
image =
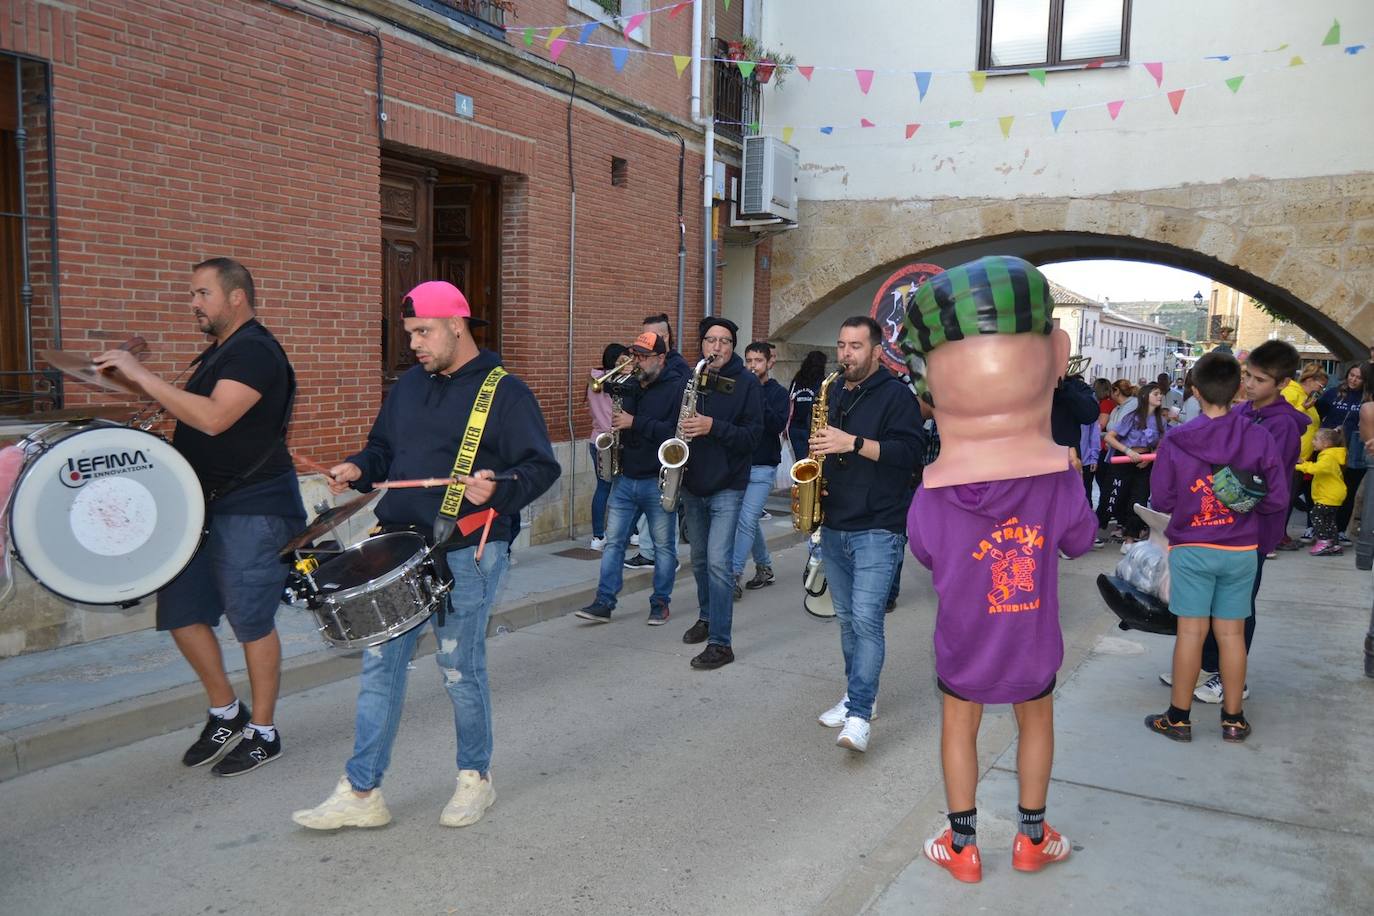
(991, 515)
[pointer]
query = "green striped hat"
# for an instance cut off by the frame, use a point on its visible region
(993, 295)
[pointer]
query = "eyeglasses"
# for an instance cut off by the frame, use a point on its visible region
(718, 340)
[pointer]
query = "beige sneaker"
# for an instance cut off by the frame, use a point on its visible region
(471, 800)
(345, 809)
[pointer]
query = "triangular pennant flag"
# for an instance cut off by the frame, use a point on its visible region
(979, 80)
(556, 48)
(1093, 65)
(672, 14)
(727, 6)
(681, 61)
(1156, 70)
(922, 83)
(865, 80)
(1176, 99)
(587, 31)
(806, 72)
(529, 37)
(1057, 117)
(1114, 108)
(1005, 123)
(1221, 57)
(1354, 49)
(954, 124)
(753, 128)
(864, 122)
(1333, 35)
(827, 130)
(911, 130)
(1037, 74)
(635, 22)
(1297, 61)
(787, 135)
(554, 35)
(1282, 47)
(1234, 83)
(619, 56)
(746, 67)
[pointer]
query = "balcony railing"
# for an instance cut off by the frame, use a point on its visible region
(487, 16)
(737, 98)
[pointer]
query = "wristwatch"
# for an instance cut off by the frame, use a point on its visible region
(858, 443)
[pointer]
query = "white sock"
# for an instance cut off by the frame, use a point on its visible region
(268, 732)
(226, 712)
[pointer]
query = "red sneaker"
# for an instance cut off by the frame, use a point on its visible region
(1028, 856)
(965, 865)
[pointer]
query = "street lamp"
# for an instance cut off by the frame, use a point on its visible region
(1201, 315)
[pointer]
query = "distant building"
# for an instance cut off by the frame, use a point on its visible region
(1237, 319)
(1117, 346)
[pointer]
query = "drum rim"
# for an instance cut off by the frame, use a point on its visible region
(390, 576)
(42, 447)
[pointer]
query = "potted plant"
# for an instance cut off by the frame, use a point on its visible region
(767, 63)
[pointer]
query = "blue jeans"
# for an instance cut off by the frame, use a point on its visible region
(603, 492)
(462, 660)
(711, 524)
(859, 567)
(748, 535)
(630, 497)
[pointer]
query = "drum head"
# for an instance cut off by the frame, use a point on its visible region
(368, 561)
(106, 514)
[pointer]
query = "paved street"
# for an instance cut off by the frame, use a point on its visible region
(628, 783)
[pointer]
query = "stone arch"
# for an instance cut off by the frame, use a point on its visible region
(1305, 246)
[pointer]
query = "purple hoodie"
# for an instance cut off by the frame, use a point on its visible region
(1181, 483)
(993, 549)
(1286, 424)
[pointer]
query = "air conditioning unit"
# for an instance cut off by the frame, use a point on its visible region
(769, 180)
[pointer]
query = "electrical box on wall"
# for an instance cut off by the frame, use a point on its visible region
(769, 183)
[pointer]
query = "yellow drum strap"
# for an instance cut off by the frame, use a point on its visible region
(467, 451)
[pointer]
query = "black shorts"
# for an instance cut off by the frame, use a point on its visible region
(944, 688)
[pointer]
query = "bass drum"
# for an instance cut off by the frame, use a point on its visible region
(104, 514)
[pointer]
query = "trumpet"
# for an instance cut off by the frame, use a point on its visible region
(620, 372)
(608, 445)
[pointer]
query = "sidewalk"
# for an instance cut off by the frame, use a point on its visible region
(1200, 827)
(68, 703)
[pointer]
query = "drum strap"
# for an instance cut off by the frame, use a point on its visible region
(472, 437)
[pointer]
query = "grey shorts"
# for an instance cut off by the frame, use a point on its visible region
(236, 574)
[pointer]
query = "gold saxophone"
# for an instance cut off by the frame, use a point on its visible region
(674, 452)
(608, 444)
(807, 482)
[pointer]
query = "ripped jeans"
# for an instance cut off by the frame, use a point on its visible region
(462, 660)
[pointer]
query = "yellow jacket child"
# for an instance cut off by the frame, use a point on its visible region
(1328, 481)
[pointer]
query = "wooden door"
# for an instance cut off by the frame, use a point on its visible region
(466, 245)
(14, 353)
(407, 206)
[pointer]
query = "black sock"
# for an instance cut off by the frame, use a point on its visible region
(964, 827)
(1179, 716)
(1238, 716)
(1033, 823)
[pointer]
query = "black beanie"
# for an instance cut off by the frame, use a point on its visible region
(711, 321)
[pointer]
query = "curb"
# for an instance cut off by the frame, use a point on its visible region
(45, 744)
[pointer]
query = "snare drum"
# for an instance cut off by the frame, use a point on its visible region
(375, 591)
(104, 514)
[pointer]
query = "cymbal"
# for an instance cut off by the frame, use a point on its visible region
(89, 412)
(328, 519)
(81, 368)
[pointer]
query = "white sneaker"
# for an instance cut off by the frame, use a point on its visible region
(1210, 691)
(345, 809)
(470, 801)
(834, 716)
(854, 735)
(634, 540)
(1167, 678)
(598, 543)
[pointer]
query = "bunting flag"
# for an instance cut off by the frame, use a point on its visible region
(865, 80)
(911, 130)
(922, 83)
(806, 72)
(727, 6)
(827, 130)
(1354, 49)
(746, 67)
(1297, 61)
(618, 57)
(1094, 65)
(979, 80)
(1037, 74)
(1282, 47)
(1057, 118)
(635, 22)
(529, 38)
(864, 122)
(954, 124)
(1176, 99)
(1234, 83)
(556, 48)
(787, 135)
(754, 128)
(587, 31)
(1223, 58)
(1004, 122)
(672, 14)
(1333, 35)
(553, 36)
(1114, 108)
(680, 61)
(1156, 70)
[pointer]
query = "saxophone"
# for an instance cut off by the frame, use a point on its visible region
(807, 482)
(674, 452)
(608, 445)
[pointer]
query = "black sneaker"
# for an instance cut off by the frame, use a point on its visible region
(639, 561)
(596, 613)
(698, 633)
(713, 657)
(1178, 731)
(763, 576)
(249, 754)
(216, 737)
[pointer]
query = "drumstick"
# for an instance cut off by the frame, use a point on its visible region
(1125, 459)
(311, 466)
(440, 481)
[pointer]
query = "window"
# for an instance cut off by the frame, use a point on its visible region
(616, 13)
(1020, 34)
